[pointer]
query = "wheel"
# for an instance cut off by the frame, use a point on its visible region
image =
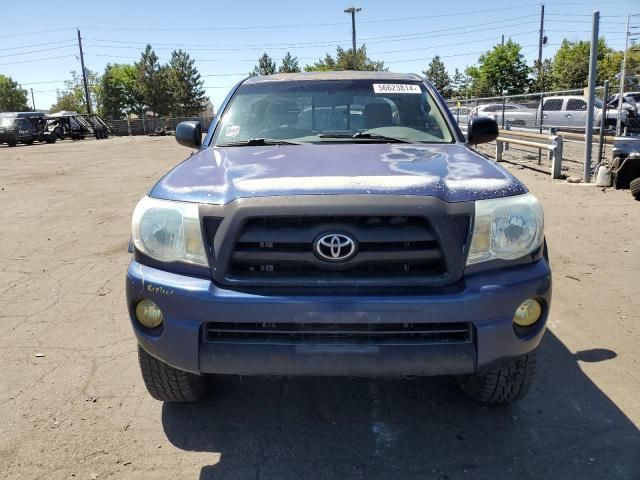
(503, 384)
(51, 138)
(12, 141)
(29, 142)
(97, 134)
(59, 131)
(169, 384)
(634, 186)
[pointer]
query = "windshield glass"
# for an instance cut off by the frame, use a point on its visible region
(319, 111)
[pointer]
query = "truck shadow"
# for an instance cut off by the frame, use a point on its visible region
(421, 428)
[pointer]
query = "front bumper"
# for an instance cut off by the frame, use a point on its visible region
(485, 300)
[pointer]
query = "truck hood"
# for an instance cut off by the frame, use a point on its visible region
(451, 172)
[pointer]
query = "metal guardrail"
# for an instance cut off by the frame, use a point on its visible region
(551, 143)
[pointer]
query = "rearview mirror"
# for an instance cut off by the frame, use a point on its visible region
(482, 130)
(189, 134)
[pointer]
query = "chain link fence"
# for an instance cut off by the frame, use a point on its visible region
(152, 125)
(560, 113)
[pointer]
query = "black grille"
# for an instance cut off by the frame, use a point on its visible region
(388, 247)
(338, 332)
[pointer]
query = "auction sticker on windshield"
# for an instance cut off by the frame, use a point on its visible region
(395, 88)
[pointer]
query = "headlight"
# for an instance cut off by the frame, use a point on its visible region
(506, 228)
(168, 231)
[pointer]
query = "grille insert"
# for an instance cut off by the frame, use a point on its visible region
(337, 332)
(281, 248)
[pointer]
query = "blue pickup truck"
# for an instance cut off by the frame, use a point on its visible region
(338, 223)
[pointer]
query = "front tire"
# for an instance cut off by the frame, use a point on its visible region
(502, 385)
(169, 384)
(634, 186)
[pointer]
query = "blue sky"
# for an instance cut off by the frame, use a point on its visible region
(39, 44)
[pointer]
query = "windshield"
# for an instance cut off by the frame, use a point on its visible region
(323, 111)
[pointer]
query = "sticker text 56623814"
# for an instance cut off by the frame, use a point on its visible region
(396, 88)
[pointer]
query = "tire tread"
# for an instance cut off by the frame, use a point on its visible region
(504, 384)
(634, 186)
(169, 384)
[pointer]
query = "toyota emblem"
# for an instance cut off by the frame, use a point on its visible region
(335, 247)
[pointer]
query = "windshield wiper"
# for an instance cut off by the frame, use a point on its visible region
(252, 142)
(367, 136)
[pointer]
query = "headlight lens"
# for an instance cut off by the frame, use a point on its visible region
(506, 228)
(168, 231)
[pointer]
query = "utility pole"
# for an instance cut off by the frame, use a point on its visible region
(502, 39)
(593, 70)
(540, 39)
(353, 11)
(622, 75)
(540, 69)
(33, 101)
(84, 75)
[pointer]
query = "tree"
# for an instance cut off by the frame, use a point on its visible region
(459, 84)
(541, 80)
(345, 60)
(68, 100)
(265, 66)
(72, 97)
(12, 97)
(502, 71)
(186, 85)
(437, 74)
(571, 64)
(289, 64)
(121, 95)
(152, 81)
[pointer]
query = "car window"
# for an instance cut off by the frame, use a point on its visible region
(576, 104)
(490, 108)
(301, 110)
(553, 104)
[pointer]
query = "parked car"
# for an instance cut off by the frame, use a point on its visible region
(285, 248)
(24, 127)
(570, 111)
(461, 114)
(514, 114)
(631, 100)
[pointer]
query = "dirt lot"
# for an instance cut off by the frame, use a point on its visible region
(73, 405)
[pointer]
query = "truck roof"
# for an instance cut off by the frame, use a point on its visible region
(341, 75)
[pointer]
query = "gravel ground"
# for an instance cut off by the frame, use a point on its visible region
(73, 404)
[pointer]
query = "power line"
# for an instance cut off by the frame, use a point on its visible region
(190, 45)
(34, 33)
(37, 51)
(328, 43)
(41, 83)
(37, 60)
(36, 45)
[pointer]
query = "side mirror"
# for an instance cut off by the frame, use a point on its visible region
(189, 134)
(482, 130)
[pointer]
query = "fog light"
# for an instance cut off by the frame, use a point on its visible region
(149, 314)
(528, 313)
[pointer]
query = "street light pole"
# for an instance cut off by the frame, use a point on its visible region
(353, 11)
